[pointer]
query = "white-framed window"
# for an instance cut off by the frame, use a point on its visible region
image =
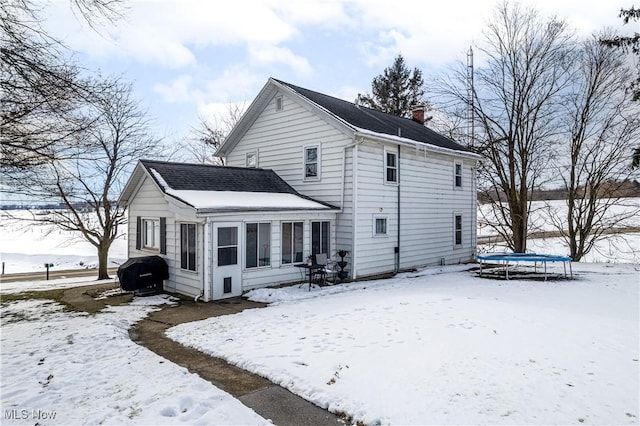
(390, 167)
(457, 230)
(251, 159)
(320, 234)
(311, 161)
(292, 242)
(188, 246)
(258, 245)
(279, 103)
(151, 233)
(457, 174)
(379, 226)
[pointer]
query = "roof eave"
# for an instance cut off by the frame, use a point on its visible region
(413, 143)
(212, 211)
(247, 119)
(131, 185)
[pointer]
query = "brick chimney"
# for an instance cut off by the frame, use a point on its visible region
(418, 114)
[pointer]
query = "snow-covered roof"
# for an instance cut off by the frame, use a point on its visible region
(217, 189)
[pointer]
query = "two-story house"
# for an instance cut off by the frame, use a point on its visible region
(306, 173)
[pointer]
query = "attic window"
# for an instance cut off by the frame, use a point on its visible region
(279, 103)
(252, 159)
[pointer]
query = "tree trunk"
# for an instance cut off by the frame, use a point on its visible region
(103, 257)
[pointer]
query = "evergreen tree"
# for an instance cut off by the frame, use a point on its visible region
(631, 43)
(397, 90)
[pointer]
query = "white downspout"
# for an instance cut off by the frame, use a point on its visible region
(474, 213)
(354, 223)
(343, 176)
(206, 261)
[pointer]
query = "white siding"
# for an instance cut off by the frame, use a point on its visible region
(276, 273)
(279, 138)
(428, 197)
(150, 202)
(427, 205)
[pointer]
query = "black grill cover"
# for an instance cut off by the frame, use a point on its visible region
(142, 272)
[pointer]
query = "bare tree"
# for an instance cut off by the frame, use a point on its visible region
(41, 89)
(601, 125)
(89, 180)
(207, 138)
(516, 91)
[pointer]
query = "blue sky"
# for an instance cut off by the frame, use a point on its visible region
(189, 58)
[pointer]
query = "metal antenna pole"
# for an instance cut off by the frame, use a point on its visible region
(470, 98)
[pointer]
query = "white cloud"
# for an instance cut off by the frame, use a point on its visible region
(268, 54)
(178, 90)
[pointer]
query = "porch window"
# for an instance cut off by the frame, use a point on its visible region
(258, 245)
(458, 230)
(227, 246)
(151, 234)
(320, 238)
(311, 162)
(292, 238)
(188, 246)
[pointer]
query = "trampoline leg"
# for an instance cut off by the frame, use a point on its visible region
(564, 264)
(570, 270)
(481, 268)
(545, 271)
(506, 270)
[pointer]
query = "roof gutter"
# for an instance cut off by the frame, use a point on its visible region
(409, 142)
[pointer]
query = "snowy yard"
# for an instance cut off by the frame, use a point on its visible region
(26, 247)
(66, 368)
(447, 348)
(440, 346)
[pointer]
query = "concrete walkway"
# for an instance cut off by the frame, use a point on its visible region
(265, 398)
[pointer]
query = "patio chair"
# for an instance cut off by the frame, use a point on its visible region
(328, 268)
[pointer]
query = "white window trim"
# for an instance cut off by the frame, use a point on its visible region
(329, 234)
(457, 246)
(374, 229)
(246, 158)
(384, 172)
(244, 245)
(143, 245)
(318, 163)
(179, 248)
(279, 100)
(282, 248)
(455, 175)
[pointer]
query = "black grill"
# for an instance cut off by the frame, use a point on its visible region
(140, 273)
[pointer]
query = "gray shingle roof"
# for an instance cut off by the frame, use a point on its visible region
(201, 177)
(377, 121)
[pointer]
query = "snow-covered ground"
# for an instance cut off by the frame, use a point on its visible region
(447, 348)
(438, 346)
(540, 219)
(67, 368)
(613, 248)
(26, 247)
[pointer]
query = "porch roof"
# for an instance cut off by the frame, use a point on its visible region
(218, 189)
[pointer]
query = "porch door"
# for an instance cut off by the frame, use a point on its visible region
(227, 268)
